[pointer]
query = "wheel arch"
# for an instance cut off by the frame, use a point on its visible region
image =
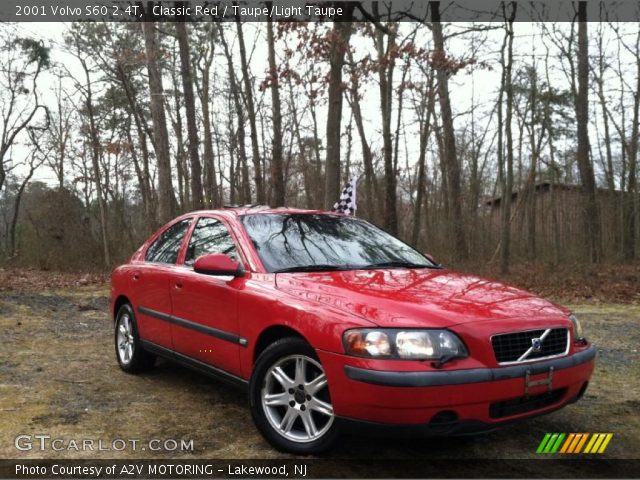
(120, 301)
(272, 334)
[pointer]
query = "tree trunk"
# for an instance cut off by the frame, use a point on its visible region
(277, 174)
(211, 187)
(95, 160)
(245, 192)
(182, 167)
(166, 198)
(338, 48)
(146, 188)
(592, 217)
(370, 182)
(505, 185)
(425, 130)
(450, 157)
(385, 82)
(13, 247)
(630, 209)
(251, 112)
(197, 199)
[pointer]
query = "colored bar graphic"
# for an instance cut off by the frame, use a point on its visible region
(581, 443)
(605, 443)
(543, 443)
(573, 443)
(592, 442)
(550, 443)
(556, 446)
(596, 446)
(567, 443)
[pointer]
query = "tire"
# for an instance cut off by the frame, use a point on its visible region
(130, 355)
(292, 419)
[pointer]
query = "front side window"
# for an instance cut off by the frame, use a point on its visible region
(166, 247)
(209, 236)
(290, 242)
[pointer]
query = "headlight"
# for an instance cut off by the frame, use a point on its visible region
(577, 328)
(403, 344)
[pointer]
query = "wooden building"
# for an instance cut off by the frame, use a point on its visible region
(557, 229)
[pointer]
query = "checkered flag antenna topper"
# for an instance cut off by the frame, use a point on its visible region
(347, 203)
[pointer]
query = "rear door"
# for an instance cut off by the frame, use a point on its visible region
(205, 307)
(150, 284)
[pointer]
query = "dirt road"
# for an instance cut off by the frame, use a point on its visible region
(58, 376)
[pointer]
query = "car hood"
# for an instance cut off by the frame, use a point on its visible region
(417, 297)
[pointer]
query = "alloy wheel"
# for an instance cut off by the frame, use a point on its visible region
(125, 339)
(295, 399)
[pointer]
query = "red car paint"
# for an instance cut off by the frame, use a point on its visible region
(321, 306)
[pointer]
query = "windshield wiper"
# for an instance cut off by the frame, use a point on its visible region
(313, 268)
(396, 263)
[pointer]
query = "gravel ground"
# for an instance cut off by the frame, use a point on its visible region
(58, 376)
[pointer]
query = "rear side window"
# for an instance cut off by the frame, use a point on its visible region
(166, 247)
(209, 236)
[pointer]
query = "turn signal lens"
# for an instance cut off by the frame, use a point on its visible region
(368, 344)
(577, 329)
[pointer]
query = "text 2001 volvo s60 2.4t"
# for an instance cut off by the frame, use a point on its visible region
(333, 323)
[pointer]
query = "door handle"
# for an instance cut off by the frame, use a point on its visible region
(178, 284)
(136, 276)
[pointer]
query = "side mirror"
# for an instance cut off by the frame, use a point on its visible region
(218, 264)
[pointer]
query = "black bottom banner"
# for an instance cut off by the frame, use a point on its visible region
(319, 468)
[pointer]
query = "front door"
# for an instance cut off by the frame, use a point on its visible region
(205, 307)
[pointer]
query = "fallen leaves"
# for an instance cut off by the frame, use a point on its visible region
(608, 283)
(27, 279)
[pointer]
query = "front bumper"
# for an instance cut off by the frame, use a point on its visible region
(453, 401)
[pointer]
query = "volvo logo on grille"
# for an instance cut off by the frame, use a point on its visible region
(536, 344)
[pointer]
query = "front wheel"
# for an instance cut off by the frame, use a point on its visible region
(289, 398)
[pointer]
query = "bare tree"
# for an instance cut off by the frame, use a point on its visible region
(166, 198)
(24, 61)
(86, 89)
(370, 181)
(59, 134)
(239, 136)
(425, 113)
(251, 113)
(506, 169)
(339, 45)
(197, 199)
(449, 153)
(585, 166)
(277, 173)
(386, 65)
(205, 66)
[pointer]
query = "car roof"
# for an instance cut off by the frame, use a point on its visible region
(237, 210)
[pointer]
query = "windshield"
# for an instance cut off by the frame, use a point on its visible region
(299, 242)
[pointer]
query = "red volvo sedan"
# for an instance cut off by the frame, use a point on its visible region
(332, 323)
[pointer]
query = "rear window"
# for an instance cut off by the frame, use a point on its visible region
(166, 247)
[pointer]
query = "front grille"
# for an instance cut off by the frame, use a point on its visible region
(516, 406)
(509, 347)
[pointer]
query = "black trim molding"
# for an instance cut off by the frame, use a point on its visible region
(458, 377)
(214, 332)
(194, 364)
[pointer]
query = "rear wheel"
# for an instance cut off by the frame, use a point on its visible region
(131, 357)
(290, 400)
